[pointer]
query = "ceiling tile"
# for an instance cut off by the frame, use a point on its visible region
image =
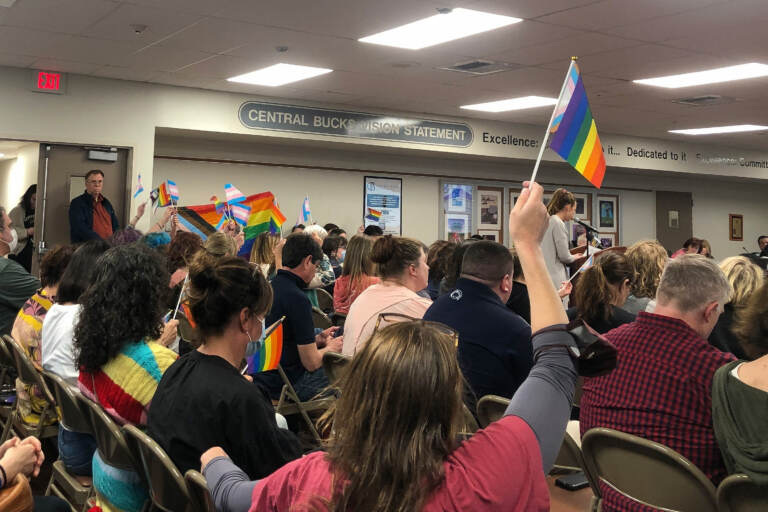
(586, 43)
(215, 35)
(121, 73)
(18, 61)
(162, 58)
(71, 17)
(193, 6)
(160, 23)
(65, 66)
(527, 8)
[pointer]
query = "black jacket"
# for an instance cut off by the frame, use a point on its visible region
(81, 218)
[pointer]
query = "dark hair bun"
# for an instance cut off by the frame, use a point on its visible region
(384, 249)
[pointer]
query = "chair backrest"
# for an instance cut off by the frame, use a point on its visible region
(647, 472)
(739, 493)
(198, 490)
(339, 319)
(324, 301)
(334, 365)
(320, 319)
(166, 484)
(72, 417)
(491, 408)
(26, 370)
(6, 356)
(109, 439)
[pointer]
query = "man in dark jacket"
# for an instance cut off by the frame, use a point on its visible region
(91, 215)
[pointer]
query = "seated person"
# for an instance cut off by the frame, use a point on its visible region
(745, 278)
(661, 389)
(453, 267)
(601, 291)
(402, 265)
(267, 254)
(25, 458)
(120, 367)
(373, 231)
(495, 353)
(324, 275)
(357, 274)
(690, 246)
(202, 398)
(647, 259)
(29, 325)
(740, 396)
(335, 247)
(16, 284)
(302, 356)
(438, 257)
(393, 443)
(518, 300)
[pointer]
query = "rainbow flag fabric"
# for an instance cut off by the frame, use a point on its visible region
(268, 356)
(160, 196)
(373, 214)
(574, 132)
(201, 220)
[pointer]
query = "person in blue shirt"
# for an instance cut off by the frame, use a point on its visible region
(495, 352)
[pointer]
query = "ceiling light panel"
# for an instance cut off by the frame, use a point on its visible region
(721, 129)
(512, 104)
(710, 76)
(440, 28)
(279, 74)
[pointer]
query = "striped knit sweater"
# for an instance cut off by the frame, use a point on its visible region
(126, 384)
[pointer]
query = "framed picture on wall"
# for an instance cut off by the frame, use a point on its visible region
(456, 227)
(514, 194)
(735, 227)
(488, 234)
(490, 207)
(606, 211)
(607, 240)
(583, 206)
(457, 199)
(382, 203)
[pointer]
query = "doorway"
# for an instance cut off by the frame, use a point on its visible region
(674, 219)
(62, 177)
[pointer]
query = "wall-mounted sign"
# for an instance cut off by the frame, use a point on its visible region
(360, 125)
(48, 81)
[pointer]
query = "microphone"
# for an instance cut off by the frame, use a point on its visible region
(585, 225)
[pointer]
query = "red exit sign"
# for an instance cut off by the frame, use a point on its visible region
(49, 81)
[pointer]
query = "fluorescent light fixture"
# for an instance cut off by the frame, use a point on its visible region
(711, 76)
(512, 104)
(440, 28)
(279, 74)
(721, 129)
(2, 155)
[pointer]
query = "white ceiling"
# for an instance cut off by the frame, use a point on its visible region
(10, 148)
(199, 43)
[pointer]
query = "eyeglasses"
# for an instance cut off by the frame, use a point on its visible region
(393, 318)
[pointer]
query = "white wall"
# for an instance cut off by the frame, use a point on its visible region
(17, 174)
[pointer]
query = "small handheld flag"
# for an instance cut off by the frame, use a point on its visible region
(584, 266)
(173, 191)
(240, 212)
(574, 132)
(233, 195)
(304, 213)
(220, 206)
(268, 356)
(160, 196)
(139, 187)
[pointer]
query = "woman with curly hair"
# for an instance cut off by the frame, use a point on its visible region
(120, 367)
(647, 259)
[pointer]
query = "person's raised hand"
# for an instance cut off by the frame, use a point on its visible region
(566, 287)
(210, 454)
(170, 331)
(528, 220)
(140, 210)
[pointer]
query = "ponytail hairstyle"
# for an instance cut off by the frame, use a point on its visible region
(594, 291)
(560, 199)
(394, 254)
(220, 289)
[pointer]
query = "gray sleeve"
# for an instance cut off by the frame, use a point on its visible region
(560, 233)
(545, 398)
(229, 485)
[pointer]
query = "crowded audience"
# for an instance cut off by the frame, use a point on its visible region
(647, 259)
(357, 274)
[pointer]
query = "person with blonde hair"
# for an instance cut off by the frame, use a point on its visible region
(561, 209)
(267, 253)
(357, 274)
(745, 278)
(393, 431)
(647, 259)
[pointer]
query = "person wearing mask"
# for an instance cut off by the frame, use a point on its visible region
(494, 351)
(647, 259)
(23, 218)
(28, 327)
(302, 356)
(202, 398)
(120, 367)
(601, 291)
(357, 274)
(561, 209)
(91, 215)
(690, 246)
(740, 396)
(393, 445)
(402, 266)
(16, 284)
(661, 388)
(745, 278)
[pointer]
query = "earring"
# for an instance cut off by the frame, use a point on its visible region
(250, 340)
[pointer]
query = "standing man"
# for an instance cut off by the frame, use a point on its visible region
(16, 284)
(91, 215)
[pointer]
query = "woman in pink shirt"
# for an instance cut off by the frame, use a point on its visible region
(393, 444)
(356, 275)
(402, 265)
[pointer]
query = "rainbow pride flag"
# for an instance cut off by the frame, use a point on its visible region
(160, 196)
(373, 214)
(201, 220)
(268, 356)
(574, 130)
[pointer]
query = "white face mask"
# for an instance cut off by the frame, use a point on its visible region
(14, 240)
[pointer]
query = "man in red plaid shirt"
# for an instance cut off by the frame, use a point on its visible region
(661, 389)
